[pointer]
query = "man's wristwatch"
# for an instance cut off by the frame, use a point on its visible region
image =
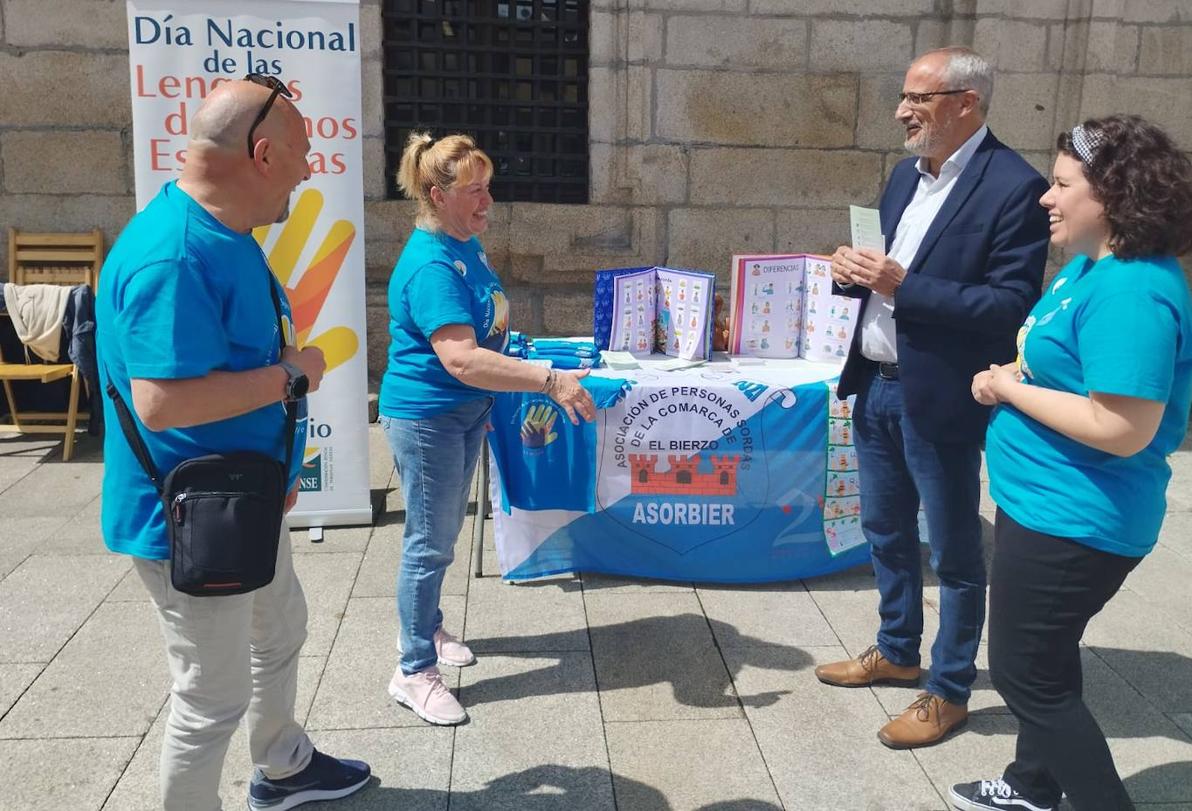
(298, 384)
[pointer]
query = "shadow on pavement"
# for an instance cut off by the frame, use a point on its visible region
(642, 652)
(543, 788)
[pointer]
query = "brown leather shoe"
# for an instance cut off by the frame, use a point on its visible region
(868, 668)
(927, 721)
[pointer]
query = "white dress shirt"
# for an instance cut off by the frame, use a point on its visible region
(877, 325)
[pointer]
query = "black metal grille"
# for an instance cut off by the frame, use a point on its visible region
(511, 73)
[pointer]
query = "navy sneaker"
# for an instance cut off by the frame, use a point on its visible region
(991, 795)
(326, 778)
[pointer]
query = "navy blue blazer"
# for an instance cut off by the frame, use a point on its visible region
(976, 276)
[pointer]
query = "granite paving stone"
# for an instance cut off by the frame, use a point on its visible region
(545, 615)
(656, 659)
(46, 599)
(84, 771)
(109, 680)
(689, 765)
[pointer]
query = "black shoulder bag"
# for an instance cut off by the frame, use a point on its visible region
(223, 511)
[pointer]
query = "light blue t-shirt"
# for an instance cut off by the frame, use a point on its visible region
(1110, 327)
(438, 281)
(180, 296)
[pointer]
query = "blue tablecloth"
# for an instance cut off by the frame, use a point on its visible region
(715, 474)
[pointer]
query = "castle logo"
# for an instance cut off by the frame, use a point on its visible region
(684, 477)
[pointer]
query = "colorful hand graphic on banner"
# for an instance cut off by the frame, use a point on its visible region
(537, 428)
(307, 296)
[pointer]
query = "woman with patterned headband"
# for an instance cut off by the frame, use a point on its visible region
(1077, 447)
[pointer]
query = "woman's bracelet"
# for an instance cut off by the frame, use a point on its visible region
(546, 384)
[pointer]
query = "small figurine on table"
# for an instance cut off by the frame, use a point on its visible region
(719, 325)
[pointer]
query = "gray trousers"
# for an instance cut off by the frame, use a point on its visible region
(229, 656)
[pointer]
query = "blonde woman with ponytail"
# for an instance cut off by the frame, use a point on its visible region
(449, 326)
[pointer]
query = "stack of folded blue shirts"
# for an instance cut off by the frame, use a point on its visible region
(564, 354)
(519, 345)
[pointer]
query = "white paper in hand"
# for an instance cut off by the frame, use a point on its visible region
(866, 228)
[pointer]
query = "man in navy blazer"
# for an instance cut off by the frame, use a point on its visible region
(966, 244)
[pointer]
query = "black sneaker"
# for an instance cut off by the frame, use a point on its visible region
(991, 795)
(326, 778)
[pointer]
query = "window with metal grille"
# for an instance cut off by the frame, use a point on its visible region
(511, 73)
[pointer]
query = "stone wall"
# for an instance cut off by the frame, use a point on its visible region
(717, 126)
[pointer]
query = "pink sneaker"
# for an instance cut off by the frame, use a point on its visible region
(451, 651)
(425, 694)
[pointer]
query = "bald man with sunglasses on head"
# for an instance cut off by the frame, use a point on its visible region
(188, 333)
(966, 244)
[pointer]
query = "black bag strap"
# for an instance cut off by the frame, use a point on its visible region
(129, 426)
(291, 405)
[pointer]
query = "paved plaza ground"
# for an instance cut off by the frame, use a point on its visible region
(590, 693)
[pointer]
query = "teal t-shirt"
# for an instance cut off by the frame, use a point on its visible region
(438, 281)
(1111, 327)
(180, 296)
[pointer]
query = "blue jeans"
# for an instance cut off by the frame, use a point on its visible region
(435, 459)
(899, 467)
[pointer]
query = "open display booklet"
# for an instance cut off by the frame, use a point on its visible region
(663, 310)
(783, 307)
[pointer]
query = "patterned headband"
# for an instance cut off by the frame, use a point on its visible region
(1086, 142)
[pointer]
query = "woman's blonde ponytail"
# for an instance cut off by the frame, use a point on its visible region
(409, 180)
(426, 163)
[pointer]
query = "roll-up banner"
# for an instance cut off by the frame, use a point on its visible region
(179, 51)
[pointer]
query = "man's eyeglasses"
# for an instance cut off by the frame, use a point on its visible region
(279, 89)
(922, 98)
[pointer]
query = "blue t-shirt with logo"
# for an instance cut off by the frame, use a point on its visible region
(546, 463)
(438, 281)
(1110, 327)
(180, 296)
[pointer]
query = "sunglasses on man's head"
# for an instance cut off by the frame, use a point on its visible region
(279, 89)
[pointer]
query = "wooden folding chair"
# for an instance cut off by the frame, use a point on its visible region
(67, 259)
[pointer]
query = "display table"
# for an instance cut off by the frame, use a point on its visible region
(721, 473)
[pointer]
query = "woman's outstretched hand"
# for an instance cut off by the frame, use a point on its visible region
(566, 390)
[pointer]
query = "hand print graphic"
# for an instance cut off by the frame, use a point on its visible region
(307, 289)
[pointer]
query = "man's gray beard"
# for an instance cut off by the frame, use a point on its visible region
(921, 148)
(285, 213)
(928, 139)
